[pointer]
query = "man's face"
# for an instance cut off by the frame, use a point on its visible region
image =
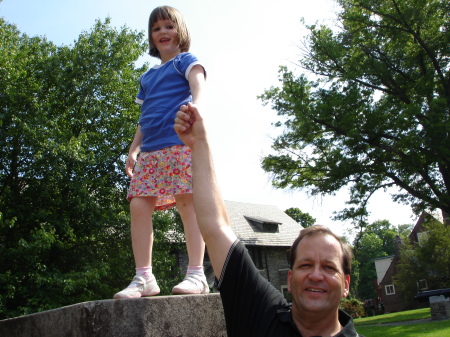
(317, 281)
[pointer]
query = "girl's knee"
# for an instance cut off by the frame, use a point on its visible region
(142, 204)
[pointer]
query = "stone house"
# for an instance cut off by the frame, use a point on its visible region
(267, 233)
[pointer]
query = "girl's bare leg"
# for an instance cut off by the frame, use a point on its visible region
(194, 240)
(195, 281)
(143, 283)
(141, 209)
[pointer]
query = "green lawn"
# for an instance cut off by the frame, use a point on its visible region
(410, 315)
(372, 326)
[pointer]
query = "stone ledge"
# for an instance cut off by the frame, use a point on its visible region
(165, 316)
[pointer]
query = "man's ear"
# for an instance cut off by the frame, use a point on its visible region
(289, 274)
(346, 286)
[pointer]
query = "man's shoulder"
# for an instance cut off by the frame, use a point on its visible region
(348, 326)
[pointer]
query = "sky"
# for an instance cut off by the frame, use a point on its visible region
(241, 43)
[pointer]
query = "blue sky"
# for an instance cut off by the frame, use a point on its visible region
(242, 44)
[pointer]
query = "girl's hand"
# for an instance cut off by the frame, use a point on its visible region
(129, 166)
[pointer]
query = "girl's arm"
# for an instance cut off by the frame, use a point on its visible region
(133, 152)
(196, 80)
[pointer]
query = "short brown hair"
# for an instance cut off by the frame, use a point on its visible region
(322, 230)
(172, 14)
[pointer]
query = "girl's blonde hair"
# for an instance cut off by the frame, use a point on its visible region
(172, 14)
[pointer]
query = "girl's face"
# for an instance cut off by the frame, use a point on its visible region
(165, 39)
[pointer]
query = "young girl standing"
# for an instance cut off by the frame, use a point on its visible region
(161, 176)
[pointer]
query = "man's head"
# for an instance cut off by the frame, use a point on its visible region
(320, 272)
(322, 230)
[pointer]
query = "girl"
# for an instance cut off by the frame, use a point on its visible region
(161, 177)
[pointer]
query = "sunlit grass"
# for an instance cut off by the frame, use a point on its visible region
(410, 315)
(373, 326)
(430, 329)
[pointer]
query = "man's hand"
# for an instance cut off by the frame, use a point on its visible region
(189, 125)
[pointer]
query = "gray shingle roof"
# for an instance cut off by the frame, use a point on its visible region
(288, 229)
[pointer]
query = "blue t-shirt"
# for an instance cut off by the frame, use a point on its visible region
(163, 89)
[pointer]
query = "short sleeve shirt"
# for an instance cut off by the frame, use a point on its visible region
(253, 307)
(163, 89)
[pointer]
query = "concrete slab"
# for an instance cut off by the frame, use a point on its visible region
(165, 316)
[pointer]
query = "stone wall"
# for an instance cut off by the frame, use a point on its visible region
(160, 316)
(439, 307)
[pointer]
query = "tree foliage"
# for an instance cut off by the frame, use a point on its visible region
(378, 116)
(428, 259)
(376, 241)
(67, 118)
(304, 219)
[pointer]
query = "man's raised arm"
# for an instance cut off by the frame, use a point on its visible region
(210, 209)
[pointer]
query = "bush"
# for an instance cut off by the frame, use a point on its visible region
(353, 307)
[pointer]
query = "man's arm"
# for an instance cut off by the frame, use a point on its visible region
(209, 206)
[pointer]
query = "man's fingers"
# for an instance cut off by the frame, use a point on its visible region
(179, 128)
(182, 116)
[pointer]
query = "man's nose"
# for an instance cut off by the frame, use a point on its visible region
(316, 274)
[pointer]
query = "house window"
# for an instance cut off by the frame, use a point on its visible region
(423, 285)
(390, 290)
(255, 254)
(287, 295)
(262, 225)
(422, 237)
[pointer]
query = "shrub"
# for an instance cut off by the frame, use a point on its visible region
(353, 307)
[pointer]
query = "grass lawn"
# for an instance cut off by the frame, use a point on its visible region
(372, 326)
(410, 315)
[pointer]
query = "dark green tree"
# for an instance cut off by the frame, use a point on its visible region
(304, 219)
(375, 242)
(67, 119)
(370, 248)
(376, 115)
(427, 260)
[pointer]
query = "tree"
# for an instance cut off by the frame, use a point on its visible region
(427, 260)
(67, 118)
(378, 116)
(376, 241)
(304, 219)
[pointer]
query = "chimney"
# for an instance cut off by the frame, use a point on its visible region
(398, 243)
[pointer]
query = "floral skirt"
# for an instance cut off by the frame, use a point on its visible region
(163, 173)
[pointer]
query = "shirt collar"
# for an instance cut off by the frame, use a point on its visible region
(285, 316)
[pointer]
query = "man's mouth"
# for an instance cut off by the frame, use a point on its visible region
(315, 290)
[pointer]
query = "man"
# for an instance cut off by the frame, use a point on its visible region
(320, 263)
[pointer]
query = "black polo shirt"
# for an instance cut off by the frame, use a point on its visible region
(253, 307)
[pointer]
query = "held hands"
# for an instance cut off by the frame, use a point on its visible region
(189, 125)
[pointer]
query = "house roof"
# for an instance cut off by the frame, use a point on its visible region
(387, 278)
(262, 225)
